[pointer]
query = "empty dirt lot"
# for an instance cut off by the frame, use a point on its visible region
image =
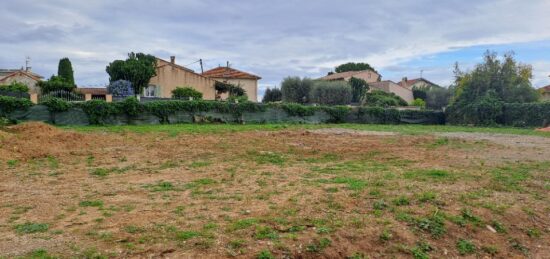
(293, 193)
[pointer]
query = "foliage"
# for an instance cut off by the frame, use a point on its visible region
(10, 104)
(353, 67)
(359, 88)
(383, 99)
(296, 89)
(121, 88)
(233, 90)
(438, 97)
(419, 103)
(15, 87)
(487, 87)
(65, 70)
(526, 114)
(338, 114)
(272, 95)
(98, 110)
(138, 68)
(55, 83)
(186, 92)
(330, 93)
(420, 92)
(294, 109)
(55, 104)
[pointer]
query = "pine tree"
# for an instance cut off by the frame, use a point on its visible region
(65, 70)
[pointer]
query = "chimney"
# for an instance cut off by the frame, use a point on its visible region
(404, 81)
(173, 59)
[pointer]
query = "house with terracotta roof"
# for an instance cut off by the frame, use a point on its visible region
(545, 93)
(24, 76)
(370, 76)
(171, 75)
(389, 86)
(416, 83)
(229, 75)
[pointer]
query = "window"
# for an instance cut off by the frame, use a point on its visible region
(151, 91)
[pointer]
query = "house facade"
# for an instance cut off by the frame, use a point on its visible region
(24, 76)
(369, 76)
(416, 83)
(248, 81)
(391, 87)
(170, 75)
(545, 93)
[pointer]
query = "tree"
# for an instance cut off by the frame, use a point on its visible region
(121, 88)
(420, 92)
(353, 67)
(331, 93)
(186, 92)
(419, 103)
(65, 70)
(272, 95)
(438, 97)
(479, 93)
(358, 89)
(382, 99)
(55, 83)
(138, 68)
(296, 89)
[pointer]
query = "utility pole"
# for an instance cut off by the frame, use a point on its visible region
(202, 70)
(421, 72)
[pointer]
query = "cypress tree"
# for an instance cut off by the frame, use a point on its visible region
(65, 70)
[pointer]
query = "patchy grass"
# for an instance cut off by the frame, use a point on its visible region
(31, 227)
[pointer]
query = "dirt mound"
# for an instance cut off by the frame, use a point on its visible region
(35, 140)
(547, 129)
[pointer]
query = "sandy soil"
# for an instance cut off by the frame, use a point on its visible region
(328, 193)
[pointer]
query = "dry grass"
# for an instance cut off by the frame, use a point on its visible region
(284, 193)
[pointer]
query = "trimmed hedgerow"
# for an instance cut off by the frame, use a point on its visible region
(10, 104)
(526, 114)
(56, 104)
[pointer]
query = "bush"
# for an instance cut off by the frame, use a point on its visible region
(55, 83)
(526, 114)
(420, 93)
(272, 95)
(185, 93)
(359, 88)
(296, 89)
(383, 99)
(487, 110)
(419, 103)
(438, 97)
(10, 104)
(121, 88)
(55, 104)
(330, 93)
(15, 87)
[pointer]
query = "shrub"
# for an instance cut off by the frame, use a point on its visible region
(419, 103)
(383, 99)
(99, 110)
(55, 104)
(296, 89)
(420, 93)
(55, 83)
(330, 93)
(486, 110)
(10, 104)
(121, 88)
(272, 95)
(526, 114)
(15, 87)
(359, 88)
(185, 93)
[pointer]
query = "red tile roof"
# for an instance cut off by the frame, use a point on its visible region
(229, 73)
(546, 88)
(92, 90)
(414, 81)
(22, 72)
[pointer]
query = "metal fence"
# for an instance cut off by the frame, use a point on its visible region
(65, 95)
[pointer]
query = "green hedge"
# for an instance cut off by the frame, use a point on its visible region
(526, 114)
(10, 104)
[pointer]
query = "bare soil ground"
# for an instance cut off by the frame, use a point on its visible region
(328, 193)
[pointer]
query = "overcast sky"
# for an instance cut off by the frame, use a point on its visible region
(276, 38)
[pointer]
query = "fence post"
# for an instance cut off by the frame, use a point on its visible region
(34, 98)
(87, 97)
(109, 98)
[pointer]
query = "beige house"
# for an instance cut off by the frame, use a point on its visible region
(369, 76)
(247, 81)
(170, 75)
(545, 93)
(24, 76)
(391, 87)
(418, 83)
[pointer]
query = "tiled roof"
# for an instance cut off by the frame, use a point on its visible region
(414, 81)
(7, 73)
(229, 73)
(92, 90)
(546, 88)
(340, 76)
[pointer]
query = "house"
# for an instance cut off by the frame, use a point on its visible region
(24, 76)
(93, 93)
(248, 81)
(171, 75)
(370, 76)
(416, 83)
(545, 93)
(391, 87)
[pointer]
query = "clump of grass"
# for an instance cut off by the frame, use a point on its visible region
(353, 184)
(428, 175)
(465, 247)
(421, 250)
(386, 235)
(427, 196)
(265, 254)
(380, 205)
(264, 232)
(401, 201)
(197, 164)
(435, 225)
(100, 172)
(243, 224)
(318, 246)
(12, 163)
(91, 203)
(133, 229)
(498, 226)
(31, 227)
(267, 158)
(162, 186)
(200, 182)
(185, 235)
